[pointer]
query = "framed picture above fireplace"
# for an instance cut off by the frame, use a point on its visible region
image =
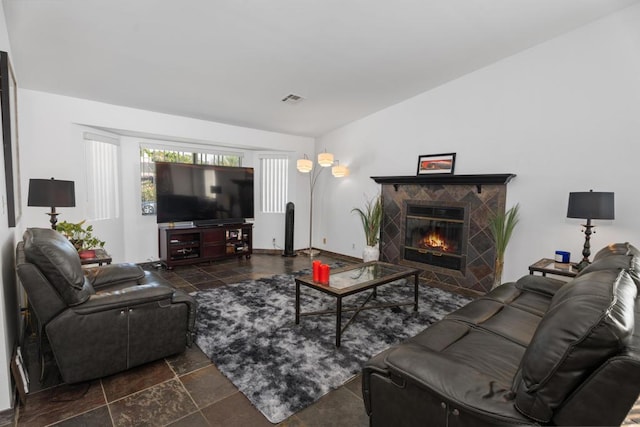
(436, 163)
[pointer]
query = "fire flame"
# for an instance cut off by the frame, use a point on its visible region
(434, 240)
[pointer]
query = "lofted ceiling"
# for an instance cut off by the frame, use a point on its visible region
(233, 61)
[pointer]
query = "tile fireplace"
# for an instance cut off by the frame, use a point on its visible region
(434, 234)
(440, 224)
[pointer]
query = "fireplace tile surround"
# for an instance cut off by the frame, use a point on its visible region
(481, 196)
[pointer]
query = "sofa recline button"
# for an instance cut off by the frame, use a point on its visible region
(455, 412)
(443, 405)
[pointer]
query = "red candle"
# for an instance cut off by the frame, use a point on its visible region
(324, 274)
(316, 270)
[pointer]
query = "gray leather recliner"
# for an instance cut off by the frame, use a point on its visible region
(102, 320)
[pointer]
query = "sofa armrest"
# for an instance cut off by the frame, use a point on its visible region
(540, 284)
(112, 274)
(180, 297)
(123, 298)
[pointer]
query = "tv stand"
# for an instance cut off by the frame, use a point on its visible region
(202, 243)
(217, 222)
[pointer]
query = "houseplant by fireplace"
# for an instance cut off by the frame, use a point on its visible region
(371, 217)
(502, 225)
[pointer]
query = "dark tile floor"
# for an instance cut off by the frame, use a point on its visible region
(187, 389)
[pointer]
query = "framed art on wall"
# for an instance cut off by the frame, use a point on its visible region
(8, 104)
(436, 163)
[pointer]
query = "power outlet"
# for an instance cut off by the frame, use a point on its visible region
(324, 240)
(273, 242)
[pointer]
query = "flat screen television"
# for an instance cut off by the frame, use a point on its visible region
(203, 194)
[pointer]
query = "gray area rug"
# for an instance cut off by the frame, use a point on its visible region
(248, 330)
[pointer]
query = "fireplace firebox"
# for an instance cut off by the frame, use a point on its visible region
(435, 235)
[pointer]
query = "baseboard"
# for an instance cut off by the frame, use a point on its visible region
(322, 251)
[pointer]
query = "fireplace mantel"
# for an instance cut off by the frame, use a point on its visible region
(446, 179)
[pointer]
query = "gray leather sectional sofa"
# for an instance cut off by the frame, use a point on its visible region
(539, 351)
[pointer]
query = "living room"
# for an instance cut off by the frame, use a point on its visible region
(549, 114)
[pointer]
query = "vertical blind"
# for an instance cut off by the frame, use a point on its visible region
(274, 184)
(102, 177)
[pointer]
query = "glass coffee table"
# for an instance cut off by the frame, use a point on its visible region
(353, 280)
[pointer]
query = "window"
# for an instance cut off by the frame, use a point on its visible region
(103, 185)
(274, 184)
(148, 157)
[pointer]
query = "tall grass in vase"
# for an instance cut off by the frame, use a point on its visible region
(502, 226)
(371, 218)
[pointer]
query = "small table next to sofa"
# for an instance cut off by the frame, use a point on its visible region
(550, 266)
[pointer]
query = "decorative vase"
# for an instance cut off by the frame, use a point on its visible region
(370, 253)
(497, 278)
(87, 254)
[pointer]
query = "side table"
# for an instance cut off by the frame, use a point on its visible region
(550, 266)
(102, 257)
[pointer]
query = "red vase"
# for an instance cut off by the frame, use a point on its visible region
(88, 254)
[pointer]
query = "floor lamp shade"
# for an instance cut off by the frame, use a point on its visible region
(51, 193)
(591, 205)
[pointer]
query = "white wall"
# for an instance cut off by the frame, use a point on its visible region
(51, 129)
(563, 116)
(8, 299)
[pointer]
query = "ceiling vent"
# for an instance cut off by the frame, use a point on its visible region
(292, 99)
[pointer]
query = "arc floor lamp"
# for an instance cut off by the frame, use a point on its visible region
(305, 165)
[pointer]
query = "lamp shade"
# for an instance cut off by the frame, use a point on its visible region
(325, 159)
(339, 171)
(51, 193)
(591, 205)
(304, 165)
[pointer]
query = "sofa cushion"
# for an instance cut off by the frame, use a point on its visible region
(616, 249)
(539, 284)
(590, 319)
(509, 322)
(531, 300)
(449, 343)
(626, 262)
(617, 256)
(58, 261)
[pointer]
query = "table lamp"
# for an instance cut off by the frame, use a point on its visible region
(589, 205)
(51, 193)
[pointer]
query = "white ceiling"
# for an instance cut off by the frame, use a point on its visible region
(232, 61)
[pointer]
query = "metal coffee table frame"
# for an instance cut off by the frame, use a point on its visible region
(400, 273)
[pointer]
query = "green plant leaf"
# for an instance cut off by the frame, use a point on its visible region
(371, 218)
(502, 226)
(81, 237)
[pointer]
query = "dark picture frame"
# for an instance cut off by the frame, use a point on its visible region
(436, 163)
(8, 107)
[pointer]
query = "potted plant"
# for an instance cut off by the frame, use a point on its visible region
(501, 226)
(371, 217)
(81, 237)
